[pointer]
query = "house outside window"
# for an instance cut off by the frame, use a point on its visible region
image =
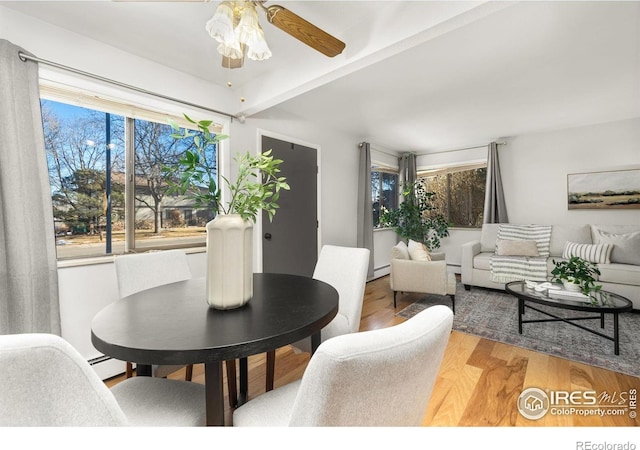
(384, 192)
(87, 154)
(459, 193)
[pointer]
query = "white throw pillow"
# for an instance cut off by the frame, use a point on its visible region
(595, 253)
(418, 251)
(625, 246)
(516, 247)
(400, 251)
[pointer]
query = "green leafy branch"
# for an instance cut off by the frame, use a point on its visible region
(415, 218)
(257, 186)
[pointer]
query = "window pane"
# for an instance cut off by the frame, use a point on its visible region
(459, 196)
(467, 197)
(77, 149)
(375, 197)
(389, 190)
(384, 193)
(86, 154)
(163, 219)
(440, 201)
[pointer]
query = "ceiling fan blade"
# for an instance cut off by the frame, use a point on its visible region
(304, 31)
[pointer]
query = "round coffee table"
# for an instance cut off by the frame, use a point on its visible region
(604, 302)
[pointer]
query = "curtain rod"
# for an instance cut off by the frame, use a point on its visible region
(435, 153)
(24, 57)
(459, 149)
(379, 151)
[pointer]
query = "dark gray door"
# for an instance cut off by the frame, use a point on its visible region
(290, 242)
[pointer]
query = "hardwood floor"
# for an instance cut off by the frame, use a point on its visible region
(479, 380)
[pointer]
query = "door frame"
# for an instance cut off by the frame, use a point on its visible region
(258, 225)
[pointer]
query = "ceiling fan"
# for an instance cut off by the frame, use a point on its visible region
(277, 15)
(283, 19)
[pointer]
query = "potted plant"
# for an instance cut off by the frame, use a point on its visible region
(416, 218)
(256, 187)
(576, 274)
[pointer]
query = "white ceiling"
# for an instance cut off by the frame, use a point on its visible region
(424, 76)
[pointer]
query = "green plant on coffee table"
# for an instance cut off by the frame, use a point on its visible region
(257, 185)
(577, 271)
(416, 217)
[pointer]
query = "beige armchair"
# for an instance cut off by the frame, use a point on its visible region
(427, 277)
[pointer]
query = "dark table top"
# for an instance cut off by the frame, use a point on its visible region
(173, 324)
(603, 301)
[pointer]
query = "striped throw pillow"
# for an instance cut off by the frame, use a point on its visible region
(539, 233)
(595, 253)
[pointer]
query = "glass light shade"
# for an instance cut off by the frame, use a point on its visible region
(248, 27)
(220, 26)
(258, 48)
(233, 51)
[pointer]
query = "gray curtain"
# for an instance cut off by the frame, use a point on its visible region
(365, 207)
(495, 209)
(28, 271)
(408, 171)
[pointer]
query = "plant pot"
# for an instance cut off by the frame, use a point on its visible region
(229, 261)
(570, 286)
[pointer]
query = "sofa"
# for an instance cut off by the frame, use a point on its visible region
(619, 265)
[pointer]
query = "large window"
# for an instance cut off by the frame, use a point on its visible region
(384, 192)
(97, 209)
(459, 194)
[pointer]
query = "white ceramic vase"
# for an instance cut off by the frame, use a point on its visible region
(229, 261)
(570, 286)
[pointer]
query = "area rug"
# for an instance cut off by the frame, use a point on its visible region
(493, 315)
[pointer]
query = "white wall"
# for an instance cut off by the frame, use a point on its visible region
(383, 240)
(338, 168)
(534, 171)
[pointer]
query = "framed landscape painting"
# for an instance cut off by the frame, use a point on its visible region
(604, 190)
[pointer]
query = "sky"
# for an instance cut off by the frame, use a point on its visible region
(601, 181)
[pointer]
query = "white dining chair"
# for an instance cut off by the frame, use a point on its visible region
(142, 271)
(383, 377)
(138, 272)
(344, 268)
(47, 383)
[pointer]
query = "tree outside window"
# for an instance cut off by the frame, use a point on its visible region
(459, 195)
(77, 144)
(384, 192)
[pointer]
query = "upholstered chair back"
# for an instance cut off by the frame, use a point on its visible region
(45, 382)
(383, 377)
(142, 271)
(345, 268)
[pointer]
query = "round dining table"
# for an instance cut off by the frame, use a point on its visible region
(173, 324)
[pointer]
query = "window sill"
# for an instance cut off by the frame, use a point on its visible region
(108, 259)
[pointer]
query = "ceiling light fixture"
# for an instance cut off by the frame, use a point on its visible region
(236, 27)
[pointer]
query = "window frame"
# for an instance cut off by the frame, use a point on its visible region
(131, 108)
(449, 169)
(383, 169)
